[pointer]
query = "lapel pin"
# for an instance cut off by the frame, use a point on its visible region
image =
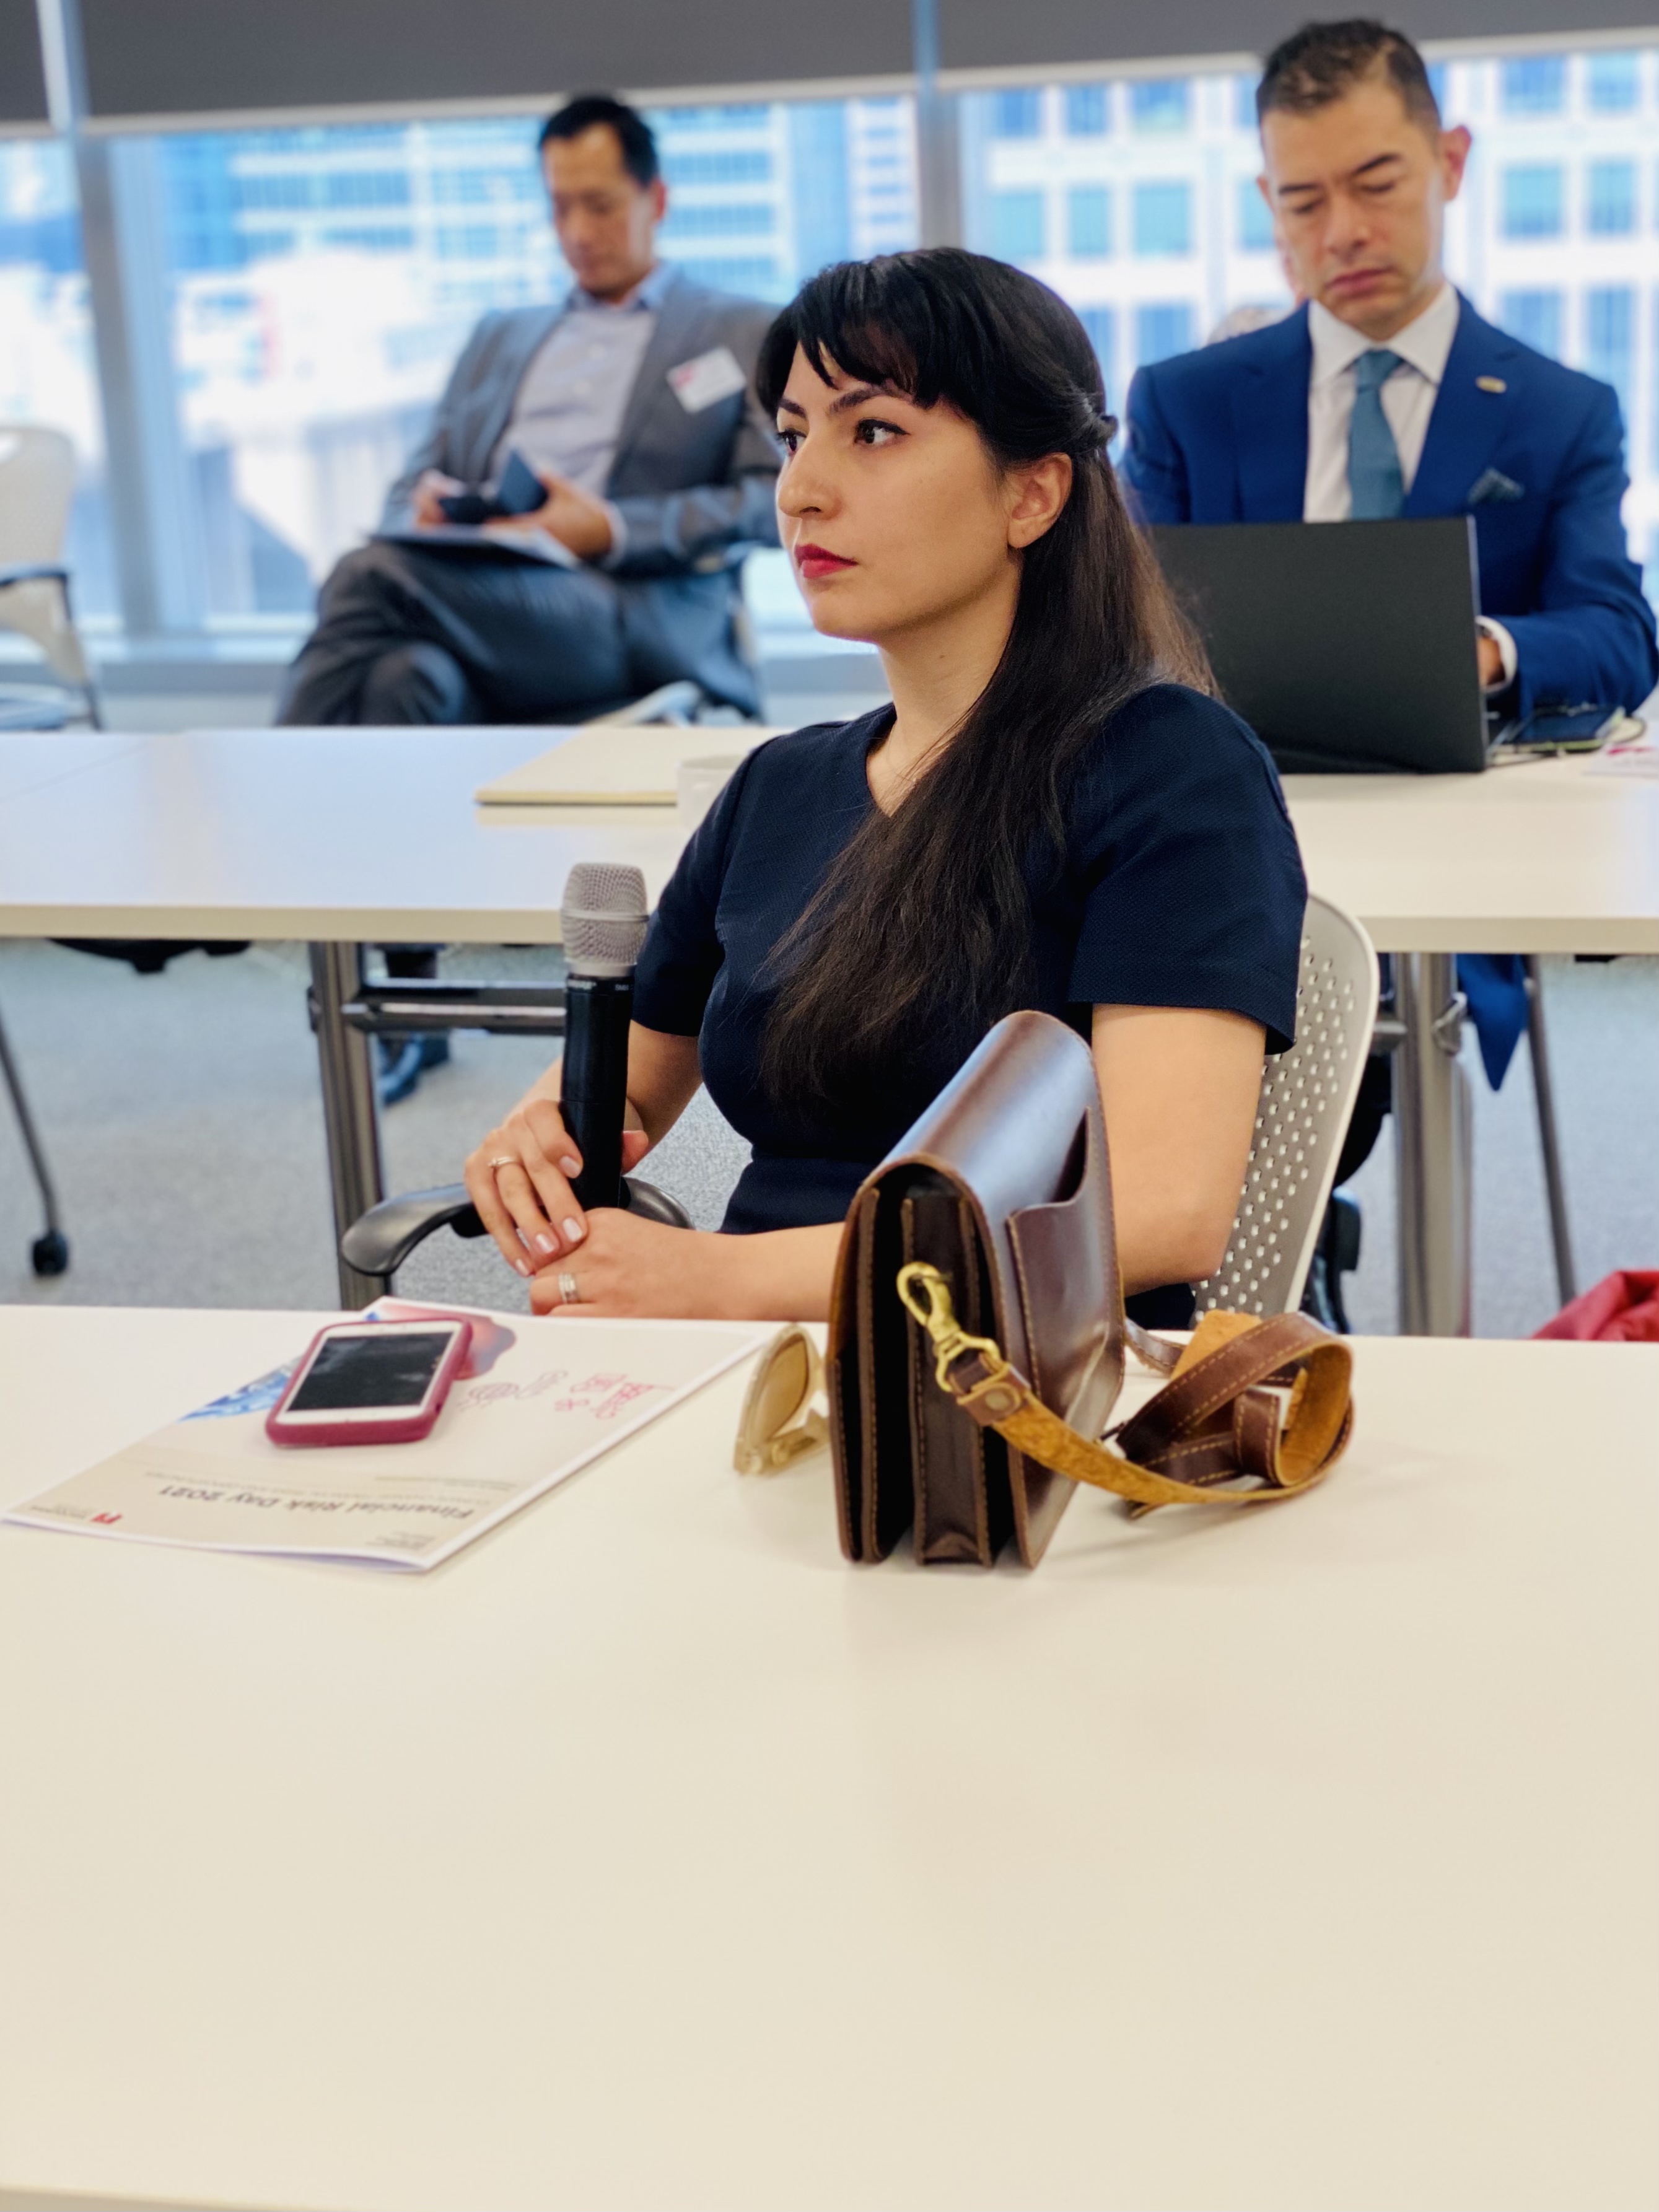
(1491, 384)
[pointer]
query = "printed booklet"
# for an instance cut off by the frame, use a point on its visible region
(536, 1401)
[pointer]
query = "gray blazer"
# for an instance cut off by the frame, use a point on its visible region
(695, 491)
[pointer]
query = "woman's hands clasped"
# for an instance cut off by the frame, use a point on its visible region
(519, 1178)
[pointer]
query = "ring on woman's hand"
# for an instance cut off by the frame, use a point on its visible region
(568, 1294)
(502, 1160)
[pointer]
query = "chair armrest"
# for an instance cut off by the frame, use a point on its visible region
(32, 572)
(378, 1241)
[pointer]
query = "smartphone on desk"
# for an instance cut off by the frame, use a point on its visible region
(1565, 729)
(370, 1382)
(520, 491)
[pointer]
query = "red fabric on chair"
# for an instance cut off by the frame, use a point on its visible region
(1621, 1309)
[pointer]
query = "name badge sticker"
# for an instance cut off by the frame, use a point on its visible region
(704, 382)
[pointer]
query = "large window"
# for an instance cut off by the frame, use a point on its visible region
(323, 279)
(47, 374)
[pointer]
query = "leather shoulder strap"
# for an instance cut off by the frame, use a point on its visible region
(1216, 1420)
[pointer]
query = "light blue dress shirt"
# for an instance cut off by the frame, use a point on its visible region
(567, 415)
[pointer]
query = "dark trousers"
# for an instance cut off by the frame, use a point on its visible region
(404, 635)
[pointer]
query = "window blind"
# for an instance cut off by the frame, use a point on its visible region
(983, 36)
(158, 61)
(22, 76)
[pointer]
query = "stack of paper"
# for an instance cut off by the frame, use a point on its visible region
(611, 764)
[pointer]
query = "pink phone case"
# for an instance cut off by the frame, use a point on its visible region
(396, 1426)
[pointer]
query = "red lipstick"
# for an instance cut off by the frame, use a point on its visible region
(815, 561)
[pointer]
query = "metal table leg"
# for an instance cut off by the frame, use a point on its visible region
(1549, 1136)
(350, 1113)
(1433, 1114)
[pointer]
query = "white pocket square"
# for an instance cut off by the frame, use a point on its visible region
(1492, 487)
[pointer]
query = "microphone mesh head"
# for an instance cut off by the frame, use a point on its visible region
(602, 918)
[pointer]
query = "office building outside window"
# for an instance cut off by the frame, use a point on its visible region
(1533, 200)
(1162, 328)
(1087, 115)
(1018, 114)
(1610, 203)
(1535, 318)
(1163, 216)
(1161, 104)
(1610, 338)
(1089, 222)
(1612, 83)
(1534, 84)
(1255, 221)
(1019, 231)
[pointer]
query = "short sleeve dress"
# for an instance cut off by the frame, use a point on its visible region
(1180, 885)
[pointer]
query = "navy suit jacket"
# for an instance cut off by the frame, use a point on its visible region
(1221, 435)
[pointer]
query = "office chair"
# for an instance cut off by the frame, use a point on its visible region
(1307, 1096)
(36, 491)
(49, 1254)
(378, 1241)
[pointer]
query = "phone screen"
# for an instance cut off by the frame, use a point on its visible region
(351, 1373)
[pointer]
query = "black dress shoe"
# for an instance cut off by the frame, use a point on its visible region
(405, 1060)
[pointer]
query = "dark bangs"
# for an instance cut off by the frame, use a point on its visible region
(943, 324)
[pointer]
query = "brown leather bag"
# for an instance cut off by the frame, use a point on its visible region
(977, 1338)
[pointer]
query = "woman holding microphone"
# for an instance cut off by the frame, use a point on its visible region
(1054, 812)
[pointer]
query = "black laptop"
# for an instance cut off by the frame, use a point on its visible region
(1347, 647)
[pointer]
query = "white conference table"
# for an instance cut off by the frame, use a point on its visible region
(646, 1854)
(349, 837)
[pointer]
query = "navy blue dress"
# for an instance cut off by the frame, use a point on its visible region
(1180, 885)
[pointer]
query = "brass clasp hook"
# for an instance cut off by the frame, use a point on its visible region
(938, 1317)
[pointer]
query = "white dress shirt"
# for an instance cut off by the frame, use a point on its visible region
(1408, 399)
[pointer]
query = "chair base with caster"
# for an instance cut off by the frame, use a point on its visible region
(378, 1241)
(49, 1254)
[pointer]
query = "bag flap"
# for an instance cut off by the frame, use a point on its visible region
(1016, 1131)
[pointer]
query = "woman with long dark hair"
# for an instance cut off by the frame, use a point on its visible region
(1053, 812)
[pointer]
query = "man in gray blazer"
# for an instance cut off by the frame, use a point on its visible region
(634, 404)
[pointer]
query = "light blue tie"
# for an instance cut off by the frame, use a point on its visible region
(1374, 478)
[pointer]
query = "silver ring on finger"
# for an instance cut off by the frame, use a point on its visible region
(502, 1160)
(568, 1294)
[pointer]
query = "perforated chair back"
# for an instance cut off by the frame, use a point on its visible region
(1302, 1116)
(37, 490)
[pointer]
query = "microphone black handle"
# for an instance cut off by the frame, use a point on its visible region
(593, 1090)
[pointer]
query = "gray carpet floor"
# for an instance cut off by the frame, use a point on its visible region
(181, 1114)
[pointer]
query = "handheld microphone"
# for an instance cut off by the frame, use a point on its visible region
(602, 918)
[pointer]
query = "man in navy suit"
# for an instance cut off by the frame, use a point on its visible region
(1386, 394)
